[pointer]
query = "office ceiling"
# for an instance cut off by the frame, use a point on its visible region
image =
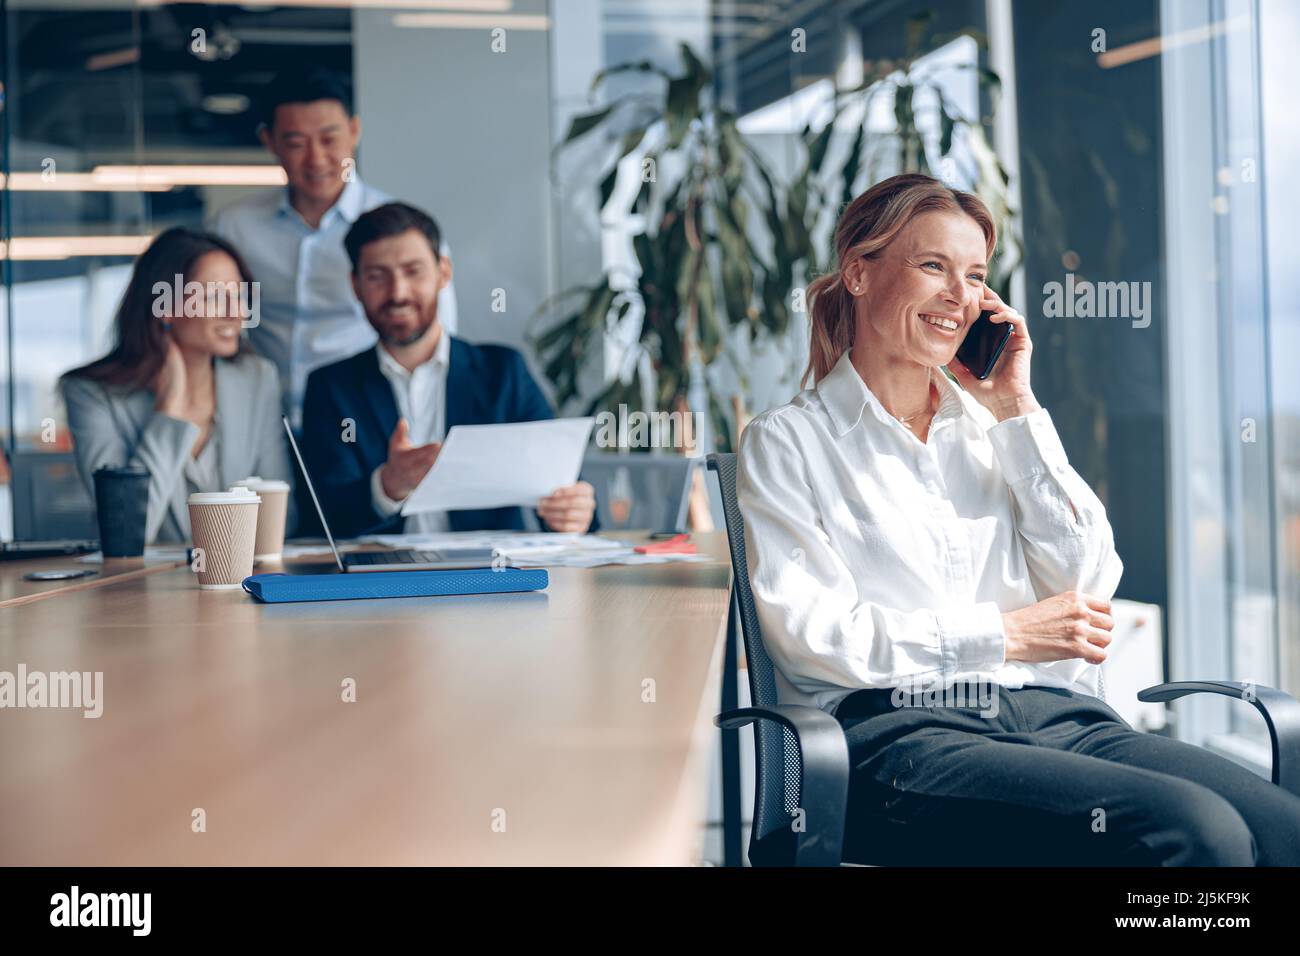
(105, 81)
(108, 77)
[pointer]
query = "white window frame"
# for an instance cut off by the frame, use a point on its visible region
(1219, 628)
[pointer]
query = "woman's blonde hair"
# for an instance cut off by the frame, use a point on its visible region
(866, 227)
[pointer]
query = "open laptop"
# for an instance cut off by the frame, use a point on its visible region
(403, 560)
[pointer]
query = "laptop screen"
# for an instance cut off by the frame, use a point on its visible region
(314, 500)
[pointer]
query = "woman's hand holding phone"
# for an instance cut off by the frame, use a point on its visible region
(1005, 393)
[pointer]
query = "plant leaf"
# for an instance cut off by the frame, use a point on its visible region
(585, 123)
(708, 330)
(683, 103)
(641, 66)
(818, 148)
(849, 172)
(946, 126)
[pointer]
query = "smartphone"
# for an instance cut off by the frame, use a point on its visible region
(983, 345)
(60, 574)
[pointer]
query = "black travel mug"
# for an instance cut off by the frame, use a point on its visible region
(122, 505)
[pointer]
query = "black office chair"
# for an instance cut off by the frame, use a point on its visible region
(801, 759)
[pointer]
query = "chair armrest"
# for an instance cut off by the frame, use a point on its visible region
(824, 777)
(1281, 713)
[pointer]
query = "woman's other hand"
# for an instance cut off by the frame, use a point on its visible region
(1068, 625)
(169, 383)
(1006, 392)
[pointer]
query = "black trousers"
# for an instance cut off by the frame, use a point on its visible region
(1047, 777)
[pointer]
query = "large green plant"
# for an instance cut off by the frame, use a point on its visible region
(702, 274)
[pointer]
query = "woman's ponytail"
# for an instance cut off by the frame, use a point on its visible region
(832, 320)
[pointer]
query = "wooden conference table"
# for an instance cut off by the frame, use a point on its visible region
(570, 726)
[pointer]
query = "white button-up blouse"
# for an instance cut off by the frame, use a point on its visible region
(877, 560)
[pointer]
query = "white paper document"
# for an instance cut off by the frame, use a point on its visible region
(494, 466)
(532, 550)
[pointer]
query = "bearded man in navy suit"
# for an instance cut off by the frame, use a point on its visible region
(373, 424)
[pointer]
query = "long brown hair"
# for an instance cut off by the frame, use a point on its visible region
(140, 342)
(865, 228)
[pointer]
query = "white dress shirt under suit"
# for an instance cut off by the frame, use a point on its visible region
(309, 315)
(877, 560)
(421, 398)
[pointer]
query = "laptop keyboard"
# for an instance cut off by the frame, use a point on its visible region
(393, 557)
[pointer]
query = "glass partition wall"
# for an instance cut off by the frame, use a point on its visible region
(547, 137)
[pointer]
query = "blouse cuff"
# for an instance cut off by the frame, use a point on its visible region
(972, 638)
(1028, 445)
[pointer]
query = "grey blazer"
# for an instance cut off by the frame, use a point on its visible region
(117, 427)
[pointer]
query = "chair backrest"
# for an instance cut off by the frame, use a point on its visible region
(50, 502)
(777, 766)
(640, 490)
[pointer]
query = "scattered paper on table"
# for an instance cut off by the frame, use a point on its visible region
(595, 560)
(547, 549)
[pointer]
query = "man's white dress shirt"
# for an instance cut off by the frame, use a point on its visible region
(309, 315)
(877, 560)
(421, 398)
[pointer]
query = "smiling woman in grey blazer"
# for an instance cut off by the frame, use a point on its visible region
(180, 395)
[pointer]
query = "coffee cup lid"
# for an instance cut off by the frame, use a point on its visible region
(237, 495)
(263, 484)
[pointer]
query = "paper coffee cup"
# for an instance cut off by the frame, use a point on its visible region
(270, 516)
(223, 525)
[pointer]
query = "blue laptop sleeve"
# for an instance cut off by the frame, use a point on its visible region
(284, 588)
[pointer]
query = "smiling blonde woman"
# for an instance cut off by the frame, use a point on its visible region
(908, 534)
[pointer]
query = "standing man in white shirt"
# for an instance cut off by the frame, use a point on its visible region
(292, 239)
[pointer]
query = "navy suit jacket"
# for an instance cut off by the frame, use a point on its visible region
(486, 384)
